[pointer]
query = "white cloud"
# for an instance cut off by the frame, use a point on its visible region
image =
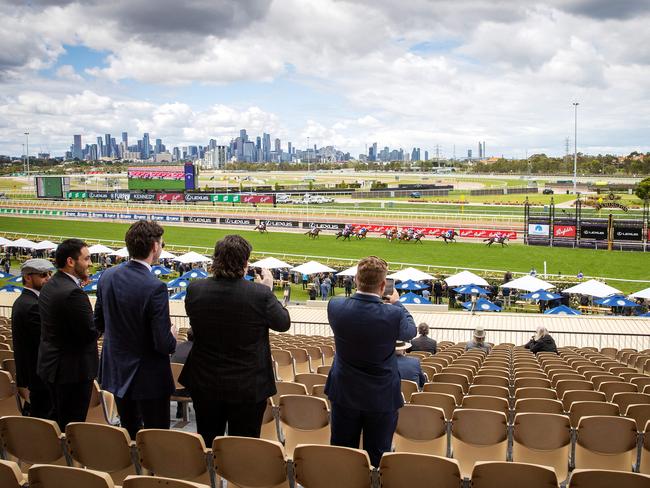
(67, 72)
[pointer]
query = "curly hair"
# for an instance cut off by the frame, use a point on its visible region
(230, 257)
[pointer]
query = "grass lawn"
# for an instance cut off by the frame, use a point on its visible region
(516, 258)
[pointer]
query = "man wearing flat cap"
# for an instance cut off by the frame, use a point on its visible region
(26, 333)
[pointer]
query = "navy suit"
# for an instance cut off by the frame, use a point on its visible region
(364, 382)
(132, 311)
(410, 369)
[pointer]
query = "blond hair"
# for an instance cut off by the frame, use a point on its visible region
(371, 271)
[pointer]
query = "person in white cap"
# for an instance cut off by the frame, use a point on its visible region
(409, 367)
(478, 341)
(26, 333)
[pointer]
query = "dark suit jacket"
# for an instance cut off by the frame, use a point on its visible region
(68, 348)
(132, 311)
(182, 352)
(231, 355)
(424, 343)
(26, 333)
(545, 344)
(364, 374)
(410, 369)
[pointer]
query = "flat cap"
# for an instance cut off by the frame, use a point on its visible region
(36, 266)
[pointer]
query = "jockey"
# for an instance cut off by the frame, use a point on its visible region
(348, 228)
(262, 225)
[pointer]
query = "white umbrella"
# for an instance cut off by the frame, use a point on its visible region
(528, 283)
(645, 294)
(99, 249)
(269, 263)
(192, 257)
(410, 274)
(45, 245)
(4, 241)
(593, 288)
(27, 244)
(121, 253)
(167, 255)
(465, 278)
(312, 267)
(348, 272)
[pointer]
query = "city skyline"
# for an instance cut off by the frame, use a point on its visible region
(332, 73)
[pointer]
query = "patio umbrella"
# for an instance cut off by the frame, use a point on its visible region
(593, 288)
(647, 314)
(45, 246)
(178, 283)
(159, 270)
(16, 279)
(562, 310)
(10, 289)
(348, 272)
(25, 243)
(471, 290)
(192, 257)
(411, 285)
(528, 283)
(541, 295)
(167, 255)
(312, 267)
(100, 249)
(5, 275)
(92, 286)
(179, 296)
(412, 274)
(465, 278)
(269, 263)
(120, 253)
(194, 274)
(616, 301)
(412, 298)
(482, 305)
(645, 294)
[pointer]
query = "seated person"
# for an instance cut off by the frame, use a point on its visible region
(478, 341)
(541, 341)
(409, 368)
(422, 342)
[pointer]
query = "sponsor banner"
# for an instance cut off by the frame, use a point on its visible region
(166, 218)
(200, 220)
(484, 233)
(323, 225)
(70, 214)
(226, 198)
(125, 216)
(76, 195)
(538, 229)
(82, 214)
(95, 215)
(598, 232)
(139, 217)
(169, 197)
(157, 173)
(189, 176)
(99, 195)
(110, 215)
(566, 231)
(628, 233)
(143, 197)
(282, 223)
(198, 197)
(229, 221)
(258, 198)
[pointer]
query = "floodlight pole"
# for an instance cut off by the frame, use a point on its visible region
(27, 154)
(575, 146)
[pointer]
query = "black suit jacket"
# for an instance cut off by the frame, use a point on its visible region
(68, 348)
(424, 343)
(26, 333)
(231, 355)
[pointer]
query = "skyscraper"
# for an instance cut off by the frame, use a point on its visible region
(125, 139)
(159, 146)
(278, 146)
(100, 147)
(76, 147)
(266, 147)
(107, 145)
(146, 146)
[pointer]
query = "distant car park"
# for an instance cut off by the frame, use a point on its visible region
(415, 194)
(547, 191)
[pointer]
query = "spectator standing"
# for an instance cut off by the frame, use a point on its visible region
(426, 294)
(325, 288)
(478, 341)
(7, 263)
(541, 341)
(363, 385)
(347, 283)
(67, 354)
(305, 280)
(132, 311)
(409, 368)
(422, 342)
(229, 371)
(26, 334)
(437, 291)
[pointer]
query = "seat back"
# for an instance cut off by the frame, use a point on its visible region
(47, 476)
(408, 387)
(288, 388)
(605, 442)
(399, 469)
(548, 393)
(284, 365)
(310, 379)
(442, 401)
(532, 383)
(581, 396)
(640, 413)
(448, 388)
(611, 387)
(8, 405)
(538, 405)
(246, 461)
(318, 466)
(301, 360)
(421, 429)
(158, 482)
(502, 474)
(10, 475)
(490, 390)
(481, 402)
(303, 420)
(624, 400)
(456, 379)
(32, 441)
(602, 478)
(566, 385)
(484, 379)
(588, 409)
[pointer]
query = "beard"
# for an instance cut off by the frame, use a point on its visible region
(81, 270)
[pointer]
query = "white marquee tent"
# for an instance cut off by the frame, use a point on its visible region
(465, 278)
(45, 245)
(100, 249)
(312, 267)
(348, 272)
(642, 294)
(412, 274)
(121, 253)
(25, 243)
(192, 257)
(269, 263)
(593, 288)
(528, 283)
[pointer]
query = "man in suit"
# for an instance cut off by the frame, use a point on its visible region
(26, 333)
(132, 311)
(409, 368)
(363, 385)
(229, 371)
(67, 354)
(422, 342)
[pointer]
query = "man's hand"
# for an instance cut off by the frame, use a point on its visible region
(267, 278)
(394, 297)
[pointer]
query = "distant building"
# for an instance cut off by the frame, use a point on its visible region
(76, 147)
(215, 158)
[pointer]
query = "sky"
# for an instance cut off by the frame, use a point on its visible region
(424, 73)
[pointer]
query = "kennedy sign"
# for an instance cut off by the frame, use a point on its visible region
(564, 231)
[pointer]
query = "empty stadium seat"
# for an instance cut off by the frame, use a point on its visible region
(310, 379)
(47, 476)
(284, 365)
(303, 420)
(601, 478)
(421, 429)
(288, 388)
(448, 388)
(581, 396)
(538, 405)
(489, 390)
(521, 393)
(32, 441)
(158, 482)
(481, 402)
(605, 442)
(512, 475)
(400, 469)
(624, 400)
(443, 401)
(588, 409)
(609, 388)
(318, 466)
(8, 403)
(10, 475)
(408, 387)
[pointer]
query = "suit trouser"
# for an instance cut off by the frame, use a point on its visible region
(136, 414)
(213, 415)
(40, 403)
(70, 401)
(377, 428)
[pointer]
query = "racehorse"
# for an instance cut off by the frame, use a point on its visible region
(500, 239)
(391, 234)
(345, 234)
(448, 236)
(362, 234)
(417, 237)
(313, 233)
(261, 227)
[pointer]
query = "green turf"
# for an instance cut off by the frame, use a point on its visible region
(516, 258)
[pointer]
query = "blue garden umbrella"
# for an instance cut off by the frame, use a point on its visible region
(97, 275)
(411, 285)
(159, 270)
(647, 314)
(562, 310)
(16, 279)
(179, 296)
(10, 289)
(178, 283)
(411, 297)
(541, 295)
(92, 286)
(616, 301)
(471, 290)
(5, 275)
(194, 274)
(482, 305)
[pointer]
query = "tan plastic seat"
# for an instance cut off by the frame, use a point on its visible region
(102, 448)
(429, 370)
(492, 380)
(457, 379)
(310, 379)
(8, 404)
(521, 393)
(288, 388)
(284, 365)
(589, 409)
(606, 443)
(303, 420)
(46, 476)
(640, 381)
(532, 383)
(32, 440)
(644, 465)
(609, 352)
(269, 426)
(538, 405)
(530, 374)
(315, 356)
(640, 413)
(319, 466)
(543, 438)
(101, 408)
(301, 360)
(557, 377)
(601, 377)
(328, 354)
(443, 401)
(581, 396)
(184, 401)
(601, 478)
(480, 402)
(408, 387)
(324, 369)
(611, 387)
(421, 429)
(400, 469)
(478, 435)
(250, 462)
(512, 475)
(492, 371)
(567, 385)
(10, 475)
(490, 390)
(158, 482)
(173, 454)
(624, 400)
(448, 388)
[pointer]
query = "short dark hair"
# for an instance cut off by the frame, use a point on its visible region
(230, 256)
(70, 248)
(141, 236)
(423, 329)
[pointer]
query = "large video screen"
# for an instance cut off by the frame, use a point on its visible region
(52, 186)
(157, 178)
